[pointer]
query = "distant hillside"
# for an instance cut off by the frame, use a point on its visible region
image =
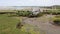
(26, 7)
(54, 6)
(57, 6)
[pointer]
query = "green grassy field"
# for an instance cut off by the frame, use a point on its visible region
(8, 25)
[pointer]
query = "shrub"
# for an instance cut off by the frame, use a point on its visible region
(24, 13)
(19, 25)
(48, 12)
(54, 12)
(40, 14)
(57, 20)
(28, 14)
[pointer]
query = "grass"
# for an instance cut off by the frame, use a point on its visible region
(7, 10)
(31, 29)
(56, 18)
(8, 26)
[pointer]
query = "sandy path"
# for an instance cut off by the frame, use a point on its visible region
(47, 27)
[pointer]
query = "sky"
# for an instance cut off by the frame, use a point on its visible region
(29, 2)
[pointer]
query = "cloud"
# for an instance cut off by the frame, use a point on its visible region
(28, 2)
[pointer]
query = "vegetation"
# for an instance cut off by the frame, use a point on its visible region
(57, 20)
(53, 12)
(24, 13)
(40, 14)
(8, 26)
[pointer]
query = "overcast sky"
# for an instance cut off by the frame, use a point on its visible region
(29, 2)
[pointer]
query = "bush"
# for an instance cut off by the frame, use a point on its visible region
(40, 14)
(57, 20)
(24, 13)
(28, 14)
(48, 12)
(54, 12)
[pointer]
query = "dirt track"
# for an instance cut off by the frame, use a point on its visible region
(43, 24)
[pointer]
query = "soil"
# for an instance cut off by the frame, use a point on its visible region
(43, 23)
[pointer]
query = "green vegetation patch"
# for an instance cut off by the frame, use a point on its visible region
(56, 20)
(23, 13)
(8, 25)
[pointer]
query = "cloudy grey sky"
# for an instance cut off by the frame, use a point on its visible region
(29, 2)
